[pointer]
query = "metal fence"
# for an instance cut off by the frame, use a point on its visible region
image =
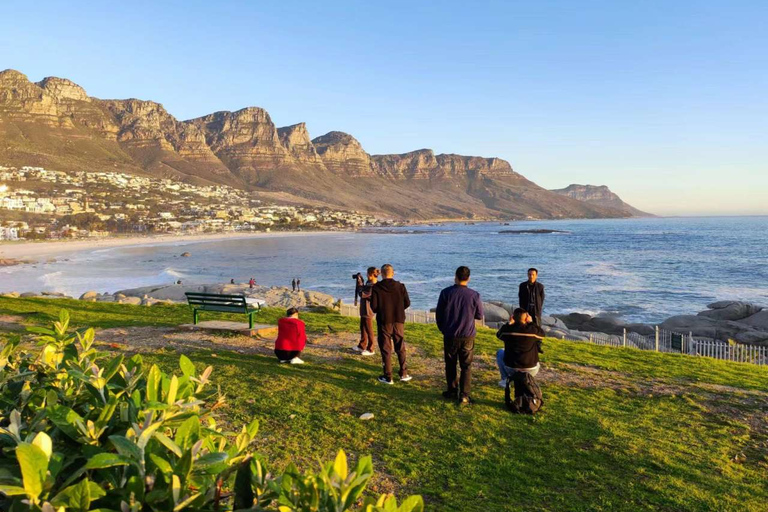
(669, 341)
(660, 340)
(411, 316)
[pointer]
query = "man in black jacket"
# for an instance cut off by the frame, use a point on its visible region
(531, 296)
(389, 300)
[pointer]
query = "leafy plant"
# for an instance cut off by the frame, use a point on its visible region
(80, 431)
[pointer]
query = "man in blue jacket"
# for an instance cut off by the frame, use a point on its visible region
(457, 309)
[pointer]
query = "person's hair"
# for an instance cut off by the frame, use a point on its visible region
(517, 315)
(371, 271)
(462, 273)
(534, 270)
(387, 269)
(291, 312)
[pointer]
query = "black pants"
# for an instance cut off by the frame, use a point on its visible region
(287, 355)
(392, 339)
(461, 351)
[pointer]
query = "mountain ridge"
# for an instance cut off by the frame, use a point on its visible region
(600, 195)
(55, 123)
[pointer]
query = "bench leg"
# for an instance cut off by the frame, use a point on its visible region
(250, 320)
(194, 316)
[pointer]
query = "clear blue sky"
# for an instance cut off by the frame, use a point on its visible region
(664, 101)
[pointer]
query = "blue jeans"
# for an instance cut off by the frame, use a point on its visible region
(507, 372)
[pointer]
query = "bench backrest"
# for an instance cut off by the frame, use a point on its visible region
(217, 302)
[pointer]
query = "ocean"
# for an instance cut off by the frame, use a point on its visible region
(642, 269)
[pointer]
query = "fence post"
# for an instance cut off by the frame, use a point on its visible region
(625, 337)
(657, 338)
(690, 341)
(591, 340)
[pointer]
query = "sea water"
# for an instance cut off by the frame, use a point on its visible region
(642, 269)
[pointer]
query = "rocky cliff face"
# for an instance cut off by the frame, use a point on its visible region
(343, 154)
(55, 123)
(601, 196)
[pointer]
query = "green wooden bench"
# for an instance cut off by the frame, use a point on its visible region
(222, 303)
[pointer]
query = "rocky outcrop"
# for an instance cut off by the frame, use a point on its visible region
(730, 310)
(295, 139)
(62, 89)
(600, 196)
(342, 154)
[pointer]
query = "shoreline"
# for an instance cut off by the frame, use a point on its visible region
(27, 252)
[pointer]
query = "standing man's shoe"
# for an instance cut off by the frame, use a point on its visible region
(451, 394)
(357, 349)
(384, 380)
(465, 400)
(367, 353)
(405, 378)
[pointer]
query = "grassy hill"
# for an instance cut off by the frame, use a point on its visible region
(621, 429)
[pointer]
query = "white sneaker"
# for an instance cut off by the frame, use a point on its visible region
(357, 349)
(296, 360)
(284, 361)
(405, 378)
(503, 383)
(367, 353)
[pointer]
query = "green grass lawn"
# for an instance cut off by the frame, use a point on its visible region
(621, 429)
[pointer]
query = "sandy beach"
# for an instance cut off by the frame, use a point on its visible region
(29, 251)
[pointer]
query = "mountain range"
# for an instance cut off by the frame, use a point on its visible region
(55, 124)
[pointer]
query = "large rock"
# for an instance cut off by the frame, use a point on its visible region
(91, 295)
(608, 324)
(756, 337)
(509, 308)
(757, 321)
(314, 298)
(12, 295)
(702, 326)
(494, 313)
(135, 301)
(730, 310)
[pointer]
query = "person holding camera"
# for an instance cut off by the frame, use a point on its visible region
(365, 347)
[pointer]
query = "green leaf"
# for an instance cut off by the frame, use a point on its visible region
(112, 368)
(210, 459)
(172, 390)
(12, 490)
(340, 465)
(187, 367)
(153, 383)
(126, 447)
(107, 460)
(66, 419)
(188, 433)
(74, 497)
(34, 466)
(169, 444)
(43, 441)
(163, 465)
(412, 504)
(253, 428)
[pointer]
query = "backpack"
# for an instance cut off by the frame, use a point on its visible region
(527, 399)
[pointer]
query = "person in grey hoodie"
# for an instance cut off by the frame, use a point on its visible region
(389, 300)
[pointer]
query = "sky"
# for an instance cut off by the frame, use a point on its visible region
(664, 102)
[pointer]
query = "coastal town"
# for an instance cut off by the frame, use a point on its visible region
(40, 203)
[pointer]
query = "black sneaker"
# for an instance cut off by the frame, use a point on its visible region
(452, 394)
(384, 380)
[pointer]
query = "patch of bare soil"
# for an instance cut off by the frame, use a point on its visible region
(11, 323)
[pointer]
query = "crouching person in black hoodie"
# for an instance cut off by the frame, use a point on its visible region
(521, 339)
(389, 300)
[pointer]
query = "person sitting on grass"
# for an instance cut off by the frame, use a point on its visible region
(521, 337)
(291, 338)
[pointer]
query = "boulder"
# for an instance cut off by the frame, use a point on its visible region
(12, 295)
(702, 326)
(91, 295)
(494, 313)
(757, 321)
(314, 298)
(509, 308)
(185, 255)
(130, 300)
(758, 337)
(27, 295)
(551, 321)
(730, 310)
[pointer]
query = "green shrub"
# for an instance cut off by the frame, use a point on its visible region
(82, 432)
